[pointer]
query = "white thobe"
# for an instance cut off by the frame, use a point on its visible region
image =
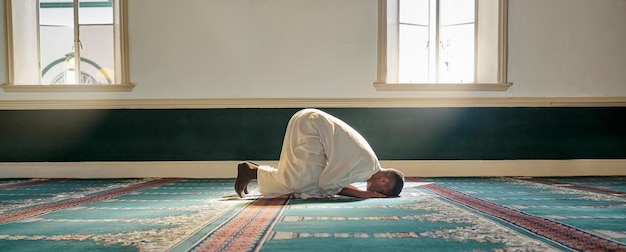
(320, 156)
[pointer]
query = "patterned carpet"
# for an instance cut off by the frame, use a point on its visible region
(433, 214)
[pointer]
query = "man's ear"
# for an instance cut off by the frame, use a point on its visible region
(383, 180)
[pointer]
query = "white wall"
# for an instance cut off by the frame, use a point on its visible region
(327, 49)
(252, 48)
(567, 47)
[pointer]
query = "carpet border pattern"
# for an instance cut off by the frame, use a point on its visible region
(567, 236)
(548, 181)
(28, 183)
(55, 206)
(245, 230)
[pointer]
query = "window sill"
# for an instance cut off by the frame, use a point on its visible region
(12, 88)
(491, 87)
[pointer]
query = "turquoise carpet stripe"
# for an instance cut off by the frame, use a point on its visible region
(62, 228)
(64, 246)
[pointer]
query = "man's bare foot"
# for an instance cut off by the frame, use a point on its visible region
(246, 172)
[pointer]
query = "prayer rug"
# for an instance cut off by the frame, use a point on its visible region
(433, 214)
(580, 213)
(110, 215)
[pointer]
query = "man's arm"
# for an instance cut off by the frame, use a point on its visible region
(352, 191)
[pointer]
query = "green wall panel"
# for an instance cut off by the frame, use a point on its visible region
(256, 134)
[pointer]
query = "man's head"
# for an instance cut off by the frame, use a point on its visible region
(387, 181)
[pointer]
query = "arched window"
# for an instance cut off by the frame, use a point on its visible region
(47, 35)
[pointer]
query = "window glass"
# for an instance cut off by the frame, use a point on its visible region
(457, 54)
(431, 53)
(453, 12)
(56, 40)
(457, 40)
(414, 11)
(413, 54)
(67, 42)
(440, 41)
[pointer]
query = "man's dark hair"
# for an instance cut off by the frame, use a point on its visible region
(398, 182)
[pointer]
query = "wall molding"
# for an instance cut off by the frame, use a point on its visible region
(312, 102)
(452, 87)
(63, 88)
(226, 169)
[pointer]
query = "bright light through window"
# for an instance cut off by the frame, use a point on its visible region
(67, 33)
(436, 41)
(67, 43)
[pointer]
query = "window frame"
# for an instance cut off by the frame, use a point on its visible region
(122, 81)
(382, 84)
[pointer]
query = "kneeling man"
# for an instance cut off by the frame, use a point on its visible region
(321, 156)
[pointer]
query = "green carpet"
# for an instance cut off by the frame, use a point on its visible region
(432, 214)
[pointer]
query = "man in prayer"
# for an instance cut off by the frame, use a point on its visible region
(321, 156)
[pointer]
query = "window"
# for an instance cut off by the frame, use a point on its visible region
(459, 43)
(73, 45)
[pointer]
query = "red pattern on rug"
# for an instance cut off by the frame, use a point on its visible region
(567, 236)
(55, 206)
(29, 183)
(245, 231)
(573, 186)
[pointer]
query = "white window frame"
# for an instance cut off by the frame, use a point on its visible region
(388, 27)
(122, 79)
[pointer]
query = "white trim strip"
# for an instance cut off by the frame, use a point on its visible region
(67, 88)
(227, 169)
(313, 102)
(533, 168)
(451, 87)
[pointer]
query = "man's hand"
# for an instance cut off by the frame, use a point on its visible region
(374, 195)
(352, 191)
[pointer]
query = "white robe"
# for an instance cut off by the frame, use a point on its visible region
(320, 156)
